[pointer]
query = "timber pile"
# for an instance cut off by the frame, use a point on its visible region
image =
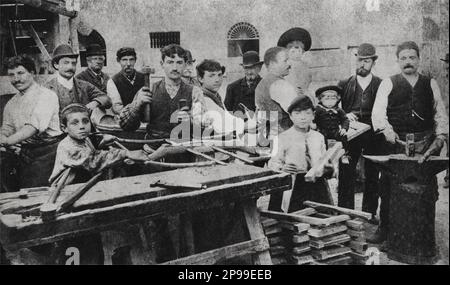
(321, 234)
(275, 234)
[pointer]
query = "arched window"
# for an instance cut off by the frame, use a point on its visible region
(242, 37)
(93, 38)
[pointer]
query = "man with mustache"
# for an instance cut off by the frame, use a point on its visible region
(95, 58)
(124, 85)
(408, 103)
(70, 89)
(171, 100)
(242, 91)
(358, 96)
(30, 119)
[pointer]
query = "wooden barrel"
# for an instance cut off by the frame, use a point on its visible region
(411, 237)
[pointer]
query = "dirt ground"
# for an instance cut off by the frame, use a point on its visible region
(442, 221)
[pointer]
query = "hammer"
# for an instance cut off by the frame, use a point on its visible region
(148, 71)
(48, 210)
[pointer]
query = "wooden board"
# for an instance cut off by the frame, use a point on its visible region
(107, 205)
(355, 225)
(273, 231)
(329, 241)
(331, 155)
(356, 129)
(294, 227)
(338, 260)
(329, 253)
(345, 211)
(299, 250)
(302, 259)
(358, 246)
(359, 258)
(357, 235)
(299, 239)
(322, 232)
(305, 219)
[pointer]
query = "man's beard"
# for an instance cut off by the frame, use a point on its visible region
(362, 72)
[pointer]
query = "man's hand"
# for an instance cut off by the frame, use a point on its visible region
(290, 168)
(138, 155)
(328, 171)
(4, 140)
(434, 148)
(92, 105)
(183, 116)
(342, 132)
(390, 135)
(107, 140)
(144, 96)
(352, 117)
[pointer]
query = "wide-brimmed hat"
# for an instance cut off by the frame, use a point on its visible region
(366, 50)
(250, 59)
(327, 88)
(63, 50)
(296, 34)
(94, 49)
(445, 59)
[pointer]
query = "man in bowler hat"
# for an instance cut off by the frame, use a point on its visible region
(358, 97)
(242, 91)
(93, 74)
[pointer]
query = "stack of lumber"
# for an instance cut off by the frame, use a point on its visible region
(358, 242)
(277, 242)
(321, 234)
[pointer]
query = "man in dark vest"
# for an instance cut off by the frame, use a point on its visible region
(274, 94)
(93, 74)
(242, 91)
(171, 100)
(407, 103)
(358, 96)
(124, 85)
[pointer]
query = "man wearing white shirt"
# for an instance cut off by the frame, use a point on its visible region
(274, 94)
(72, 90)
(358, 96)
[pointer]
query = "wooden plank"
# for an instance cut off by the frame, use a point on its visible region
(350, 212)
(339, 239)
(338, 260)
(272, 231)
(355, 225)
(278, 260)
(232, 154)
(299, 250)
(332, 154)
(255, 230)
(38, 41)
(294, 227)
(275, 240)
(303, 259)
(329, 253)
(357, 235)
(296, 239)
(277, 250)
(356, 129)
(318, 232)
(305, 212)
(268, 222)
(218, 255)
(359, 258)
(299, 218)
(358, 246)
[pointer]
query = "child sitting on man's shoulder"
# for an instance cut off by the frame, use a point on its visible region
(296, 151)
(77, 150)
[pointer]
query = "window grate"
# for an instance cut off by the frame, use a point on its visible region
(162, 39)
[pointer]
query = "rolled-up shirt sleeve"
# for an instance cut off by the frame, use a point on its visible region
(113, 93)
(130, 117)
(44, 113)
(440, 116)
(379, 115)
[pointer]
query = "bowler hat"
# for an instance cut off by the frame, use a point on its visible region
(94, 49)
(327, 88)
(366, 50)
(445, 59)
(63, 50)
(295, 34)
(251, 58)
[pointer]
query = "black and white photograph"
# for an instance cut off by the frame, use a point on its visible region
(224, 132)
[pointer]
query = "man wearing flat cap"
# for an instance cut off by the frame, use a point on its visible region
(408, 104)
(242, 91)
(95, 57)
(358, 96)
(70, 89)
(124, 85)
(298, 41)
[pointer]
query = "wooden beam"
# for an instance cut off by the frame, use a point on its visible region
(49, 6)
(305, 219)
(331, 155)
(217, 255)
(356, 129)
(345, 211)
(38, 41)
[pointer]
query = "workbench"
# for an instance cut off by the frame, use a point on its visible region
(114, 204)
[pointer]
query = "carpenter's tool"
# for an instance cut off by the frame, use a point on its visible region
(148, 71)
(74, 196)
(232, 154)
(200, 154)
(48, 210)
